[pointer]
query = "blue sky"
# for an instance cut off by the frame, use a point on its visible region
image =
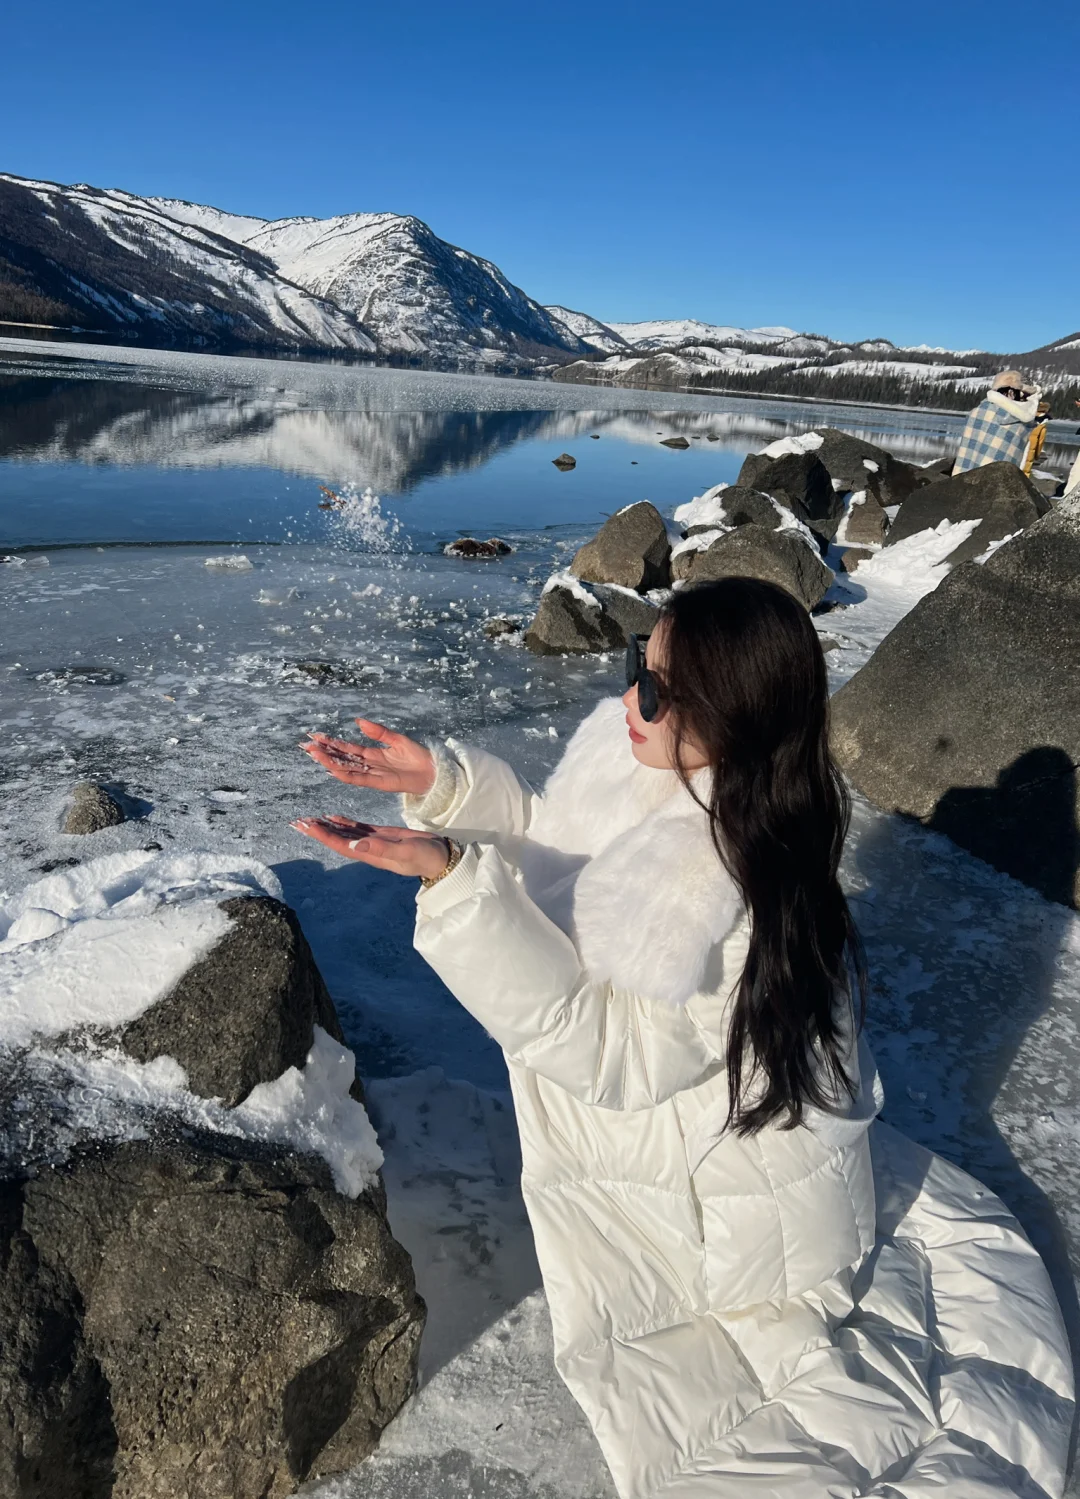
(902, 170)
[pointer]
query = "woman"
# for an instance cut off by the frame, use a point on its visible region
(661, 946)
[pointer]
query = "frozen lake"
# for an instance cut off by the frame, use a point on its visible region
(125, 658)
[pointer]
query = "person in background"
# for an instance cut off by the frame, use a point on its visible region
(1001, 426)
(1037, 438)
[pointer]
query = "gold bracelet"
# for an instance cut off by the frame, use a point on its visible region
(454, 856)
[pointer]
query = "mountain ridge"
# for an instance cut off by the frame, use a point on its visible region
(384, 285)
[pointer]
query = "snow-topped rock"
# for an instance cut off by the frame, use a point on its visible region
(589, 329)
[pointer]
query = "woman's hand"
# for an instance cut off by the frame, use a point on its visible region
(397, 763)
(400, 850)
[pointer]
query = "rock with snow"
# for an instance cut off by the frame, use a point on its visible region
(967, 716)
(799, 480)
(469, 548)
(273, 994)
(999, 496)
(752, 551)
(633, 614)
(745, 507)
(851, 462)
(631, 549)
(866, 522)
(501, 625)
(92, 808)
(571, 621)
(200, 1296)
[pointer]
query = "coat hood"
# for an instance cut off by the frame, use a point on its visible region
(620, 856)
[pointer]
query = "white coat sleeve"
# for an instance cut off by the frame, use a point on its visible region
(474, 795)
(521, 977)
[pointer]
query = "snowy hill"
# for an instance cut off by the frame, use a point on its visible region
(673, 333)
(112, 261)
(419, 294)
(590, 330)
(371, 282)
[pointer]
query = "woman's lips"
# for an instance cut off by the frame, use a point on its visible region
(634, 735)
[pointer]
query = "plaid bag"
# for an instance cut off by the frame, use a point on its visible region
(992, 435)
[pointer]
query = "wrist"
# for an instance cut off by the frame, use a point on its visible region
(454, 852)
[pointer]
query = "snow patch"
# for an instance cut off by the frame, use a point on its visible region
(572, 585)
(99, 944)
(808, 442)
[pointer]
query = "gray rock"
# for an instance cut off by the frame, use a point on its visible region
(92, 808)
(203, 1319)
(999, 495)
(628, 610)
(674, 442)
(565, 461)
(781, 557)
(631, 549)
(244, 1013)
(967, 716)
(499, 625)
(845, 457)
(801, 482)
(930, 473)
(468, 547)
(850, 558)
(867, 522)
(750, 507)
(565, 625)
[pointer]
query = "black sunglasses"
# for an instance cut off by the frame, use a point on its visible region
(652, 700)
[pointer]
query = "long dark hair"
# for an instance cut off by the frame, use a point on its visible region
(746, 677)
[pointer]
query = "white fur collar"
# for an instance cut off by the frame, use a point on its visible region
(620, 856)
(1021, 411)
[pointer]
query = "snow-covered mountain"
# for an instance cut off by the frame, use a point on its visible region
(590, 330)
(372, 282)
(419, 294)
(674, 333)
(113, 261)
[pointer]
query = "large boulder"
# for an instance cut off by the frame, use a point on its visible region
(800, 481)
(751, 507)
(571, 621)
(999, 496)
(200, 1318)
(967, 716)
(628, 610)
(244, 1013)
(751, 551)
(196, 1301)
(577, 619)
(631, 549)
(852, 463)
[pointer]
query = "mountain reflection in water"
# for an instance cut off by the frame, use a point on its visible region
(94, 421)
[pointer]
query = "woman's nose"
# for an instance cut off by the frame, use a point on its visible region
(629, 697)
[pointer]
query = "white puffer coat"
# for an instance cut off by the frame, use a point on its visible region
(717, 1310)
